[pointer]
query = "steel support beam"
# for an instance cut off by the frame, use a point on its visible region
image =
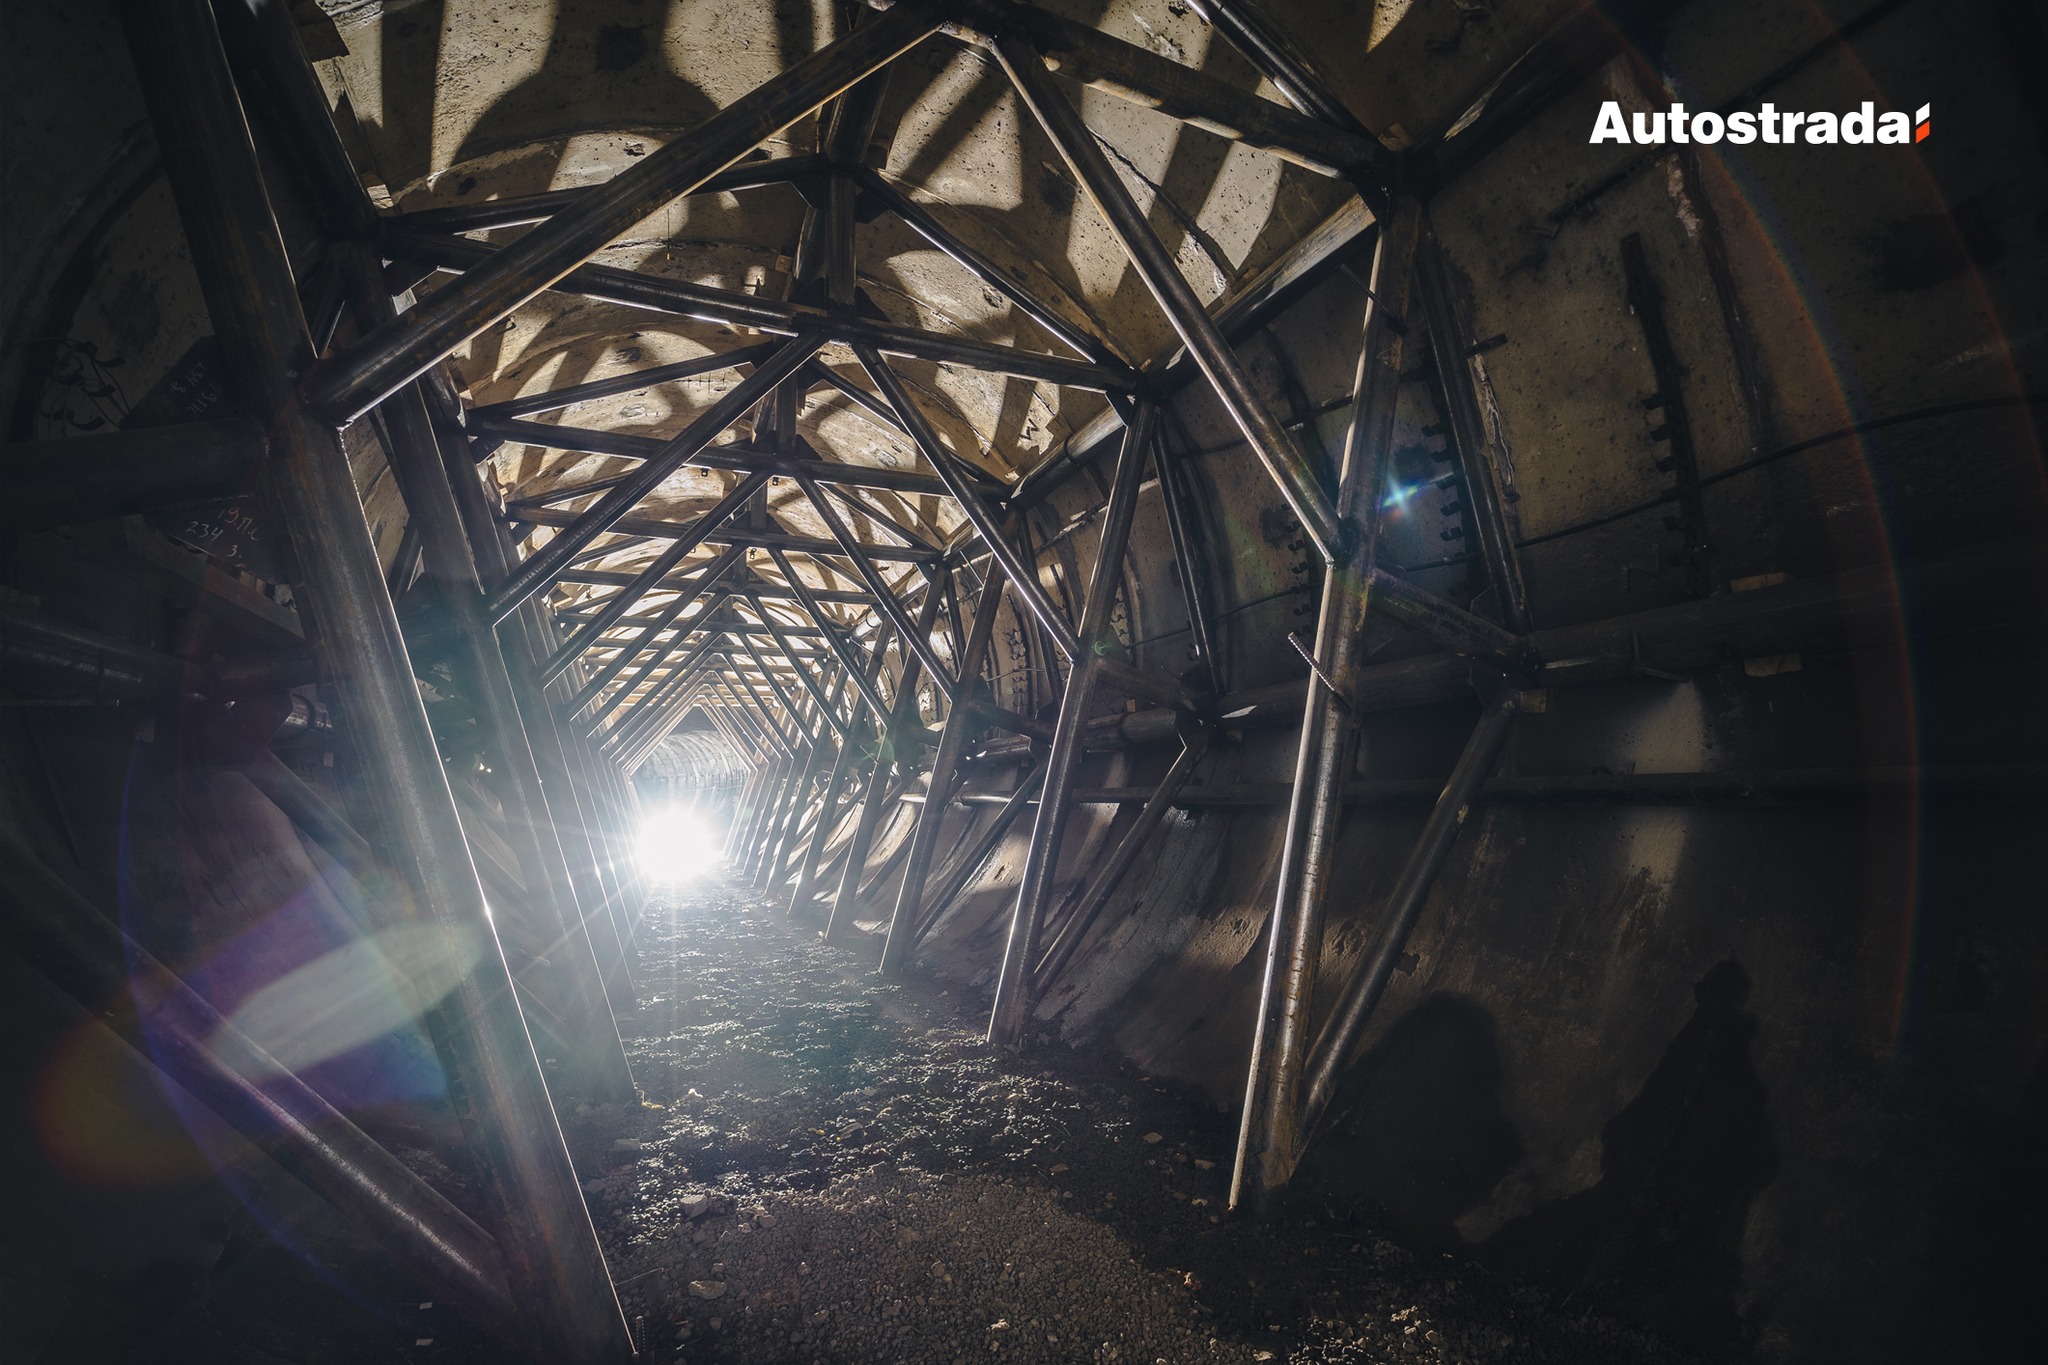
(81, 951)
(1346, 1024)
(954, 877)
(1294, 934)
(875, 804)
(1090, 902)
(792, 826)
(591, 633)
(629, 652)
(920, 220)
(571, 772)
(680, 298)
(539, 571)
(780, 634)
(1022, 573)
(1012, 1007)
(652, 627)
(554, 1266)
(1190, 556)
(862, 675)
(1479, 459)
(587, 983)
(1298, 481)
(736, 457)
(843, 764)
(1133, 73)
(1449, 624)
(351, 383)
(552, 400)
(750, 537)
(1240, 312)
(519, 210)
(962, 723)
(1260, 37)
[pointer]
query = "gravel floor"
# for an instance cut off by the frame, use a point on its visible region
(839, 1170)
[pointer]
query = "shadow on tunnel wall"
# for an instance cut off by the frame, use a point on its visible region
(1659, 1238)
(1419, 1137)
(1417, 1133)
(601, 72)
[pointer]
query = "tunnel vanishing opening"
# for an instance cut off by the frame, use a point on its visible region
(962, 678)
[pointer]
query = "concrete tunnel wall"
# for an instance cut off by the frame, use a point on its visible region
(1765, 1028)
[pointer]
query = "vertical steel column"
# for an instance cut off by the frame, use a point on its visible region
(599, 782)
(962, 723)
(773, 747)
(846, 903)
(861, 673)
(522, 639)
(264, 49)
(743, 808)
(1041, 864)
(1347, 1022)
(954, 877)
(1266, 1141)
(763, 854)
(778, 791)
(753, 856)
(843, 764)
(779, 831)
(91, 959)
(602, 1072)
(768, 773)
(554, 1266)
(785, 844)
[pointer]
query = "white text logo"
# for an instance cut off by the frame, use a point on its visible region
(1675, 124)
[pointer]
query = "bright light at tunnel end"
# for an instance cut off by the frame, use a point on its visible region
(676, 846)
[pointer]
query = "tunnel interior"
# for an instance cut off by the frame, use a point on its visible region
(1077, 680)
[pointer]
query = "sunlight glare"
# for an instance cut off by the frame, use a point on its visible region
(675, 845)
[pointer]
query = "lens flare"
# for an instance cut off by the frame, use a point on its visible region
(675, 845)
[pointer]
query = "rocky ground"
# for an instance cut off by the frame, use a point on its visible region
(839, 1170)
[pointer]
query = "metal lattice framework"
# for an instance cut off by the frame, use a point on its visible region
(821, 658)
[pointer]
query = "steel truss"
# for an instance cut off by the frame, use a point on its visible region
(758, 630)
